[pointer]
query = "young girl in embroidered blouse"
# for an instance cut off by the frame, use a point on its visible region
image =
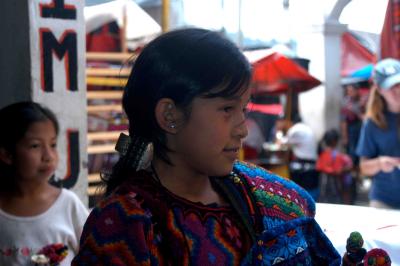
(191, 202)
(33, 213)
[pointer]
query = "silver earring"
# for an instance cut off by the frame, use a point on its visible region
(172, 126)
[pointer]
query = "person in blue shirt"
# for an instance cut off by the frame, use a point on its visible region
(379, 143)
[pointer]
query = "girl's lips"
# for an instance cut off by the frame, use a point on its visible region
(232, 150)
(47, 169)
(232, 153)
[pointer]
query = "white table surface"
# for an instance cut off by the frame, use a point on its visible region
(380, 228)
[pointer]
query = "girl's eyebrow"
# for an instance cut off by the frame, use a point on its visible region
(38, 138)
(235, 98)
(230, 99)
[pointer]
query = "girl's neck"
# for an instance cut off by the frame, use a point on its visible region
(32, 189)
(393, 109)
(29, 199)
(186, 183)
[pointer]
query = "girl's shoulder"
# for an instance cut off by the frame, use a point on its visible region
(66, 203)
(370, 124)
(133, 197)
(71, 199)
(68, 195)
(122, 209)
(274, 192)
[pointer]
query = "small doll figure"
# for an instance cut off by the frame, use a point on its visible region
(377, 257)
(354, 251)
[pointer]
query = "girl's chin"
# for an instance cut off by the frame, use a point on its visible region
(47, 173)
(227, 169)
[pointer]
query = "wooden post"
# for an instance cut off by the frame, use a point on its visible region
(289, 102)
(122, 32)
(165, 15)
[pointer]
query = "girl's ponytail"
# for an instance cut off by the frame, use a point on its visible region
(132, 151)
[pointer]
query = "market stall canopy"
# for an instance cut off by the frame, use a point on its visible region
(138, 24)
(275, 73)
(354, 54)
(363, 74)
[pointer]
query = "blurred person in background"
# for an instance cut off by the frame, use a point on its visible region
(337, 165)
(303, 145)
(351, 117)
(379, 144)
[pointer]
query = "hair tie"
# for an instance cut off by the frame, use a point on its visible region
(135, 151)
(122, 144)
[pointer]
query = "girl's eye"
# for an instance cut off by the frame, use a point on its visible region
(54, 145)
(228, 109)
(34, 146)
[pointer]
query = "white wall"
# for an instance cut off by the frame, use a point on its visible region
(66, 98)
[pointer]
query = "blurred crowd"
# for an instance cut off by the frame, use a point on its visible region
(330, 168)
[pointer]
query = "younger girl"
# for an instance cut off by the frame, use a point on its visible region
(379, 144)
(191, 204)
(336, 166)
(33, 213)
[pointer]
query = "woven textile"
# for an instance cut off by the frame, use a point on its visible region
(143, 223)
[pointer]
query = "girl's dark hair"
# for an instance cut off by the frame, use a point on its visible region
(180, 65)
(16, 120)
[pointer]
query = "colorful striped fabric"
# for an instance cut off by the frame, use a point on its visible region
(290, 234)
(142, 223)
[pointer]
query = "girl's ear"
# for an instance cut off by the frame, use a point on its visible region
(167, 115)
(5, 156)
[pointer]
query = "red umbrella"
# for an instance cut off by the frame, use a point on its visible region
(269, 109)
(390, 36)
(275, 73)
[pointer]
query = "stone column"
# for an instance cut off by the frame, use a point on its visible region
(320, 107)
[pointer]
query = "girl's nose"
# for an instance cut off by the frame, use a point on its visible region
(49, 154)
(241, 129)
